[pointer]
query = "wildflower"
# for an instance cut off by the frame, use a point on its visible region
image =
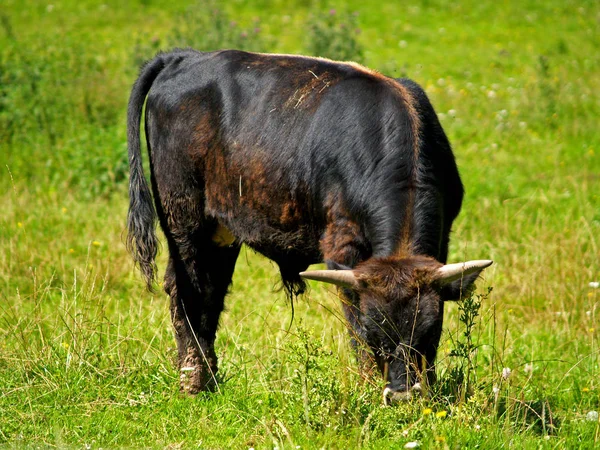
(452, 113)
(595, 284)
(96, 243)
(528, 368)
(585, 389)
(495, 389)
(441, 414)
(64, 210)
(412, 444)
(591, 330)
(506, 373)
(478, 427)
(405, 433)
(71, 251)
(19, 224)
(491, 94)
(427, 411)
(440, 439)
(592, 416)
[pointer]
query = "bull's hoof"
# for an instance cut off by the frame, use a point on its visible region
(391, 397)
(193, 380)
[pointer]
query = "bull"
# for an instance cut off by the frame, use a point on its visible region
(305, 160)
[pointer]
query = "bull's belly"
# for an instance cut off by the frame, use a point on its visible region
(275, 242)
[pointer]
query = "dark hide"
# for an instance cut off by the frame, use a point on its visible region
(304, 160)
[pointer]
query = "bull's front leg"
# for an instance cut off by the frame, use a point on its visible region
(343, 246)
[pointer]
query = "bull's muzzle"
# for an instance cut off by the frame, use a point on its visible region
(395, 396)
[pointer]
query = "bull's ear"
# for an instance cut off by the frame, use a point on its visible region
(458, 289)
(332, 265)
(456, 280)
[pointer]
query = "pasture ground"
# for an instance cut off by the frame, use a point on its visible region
(87, 355)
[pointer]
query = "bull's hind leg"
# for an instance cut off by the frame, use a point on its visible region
(197, 279)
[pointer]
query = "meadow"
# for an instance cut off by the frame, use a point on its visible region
(87, 355)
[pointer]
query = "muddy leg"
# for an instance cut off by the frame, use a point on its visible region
(197, 288)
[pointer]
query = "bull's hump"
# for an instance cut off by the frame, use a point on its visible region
(299, 61)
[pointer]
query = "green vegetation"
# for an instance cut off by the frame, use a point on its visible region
(87, 355)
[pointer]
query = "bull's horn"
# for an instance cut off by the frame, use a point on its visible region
(343, 278)
(451, 272)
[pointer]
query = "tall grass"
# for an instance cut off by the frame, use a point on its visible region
(87, 356)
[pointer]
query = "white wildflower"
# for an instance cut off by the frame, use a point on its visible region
(506, 373)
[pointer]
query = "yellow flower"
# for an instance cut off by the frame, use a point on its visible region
(96, 243)
(441, 414)
(585, 389)
(440, 439)
(19, 224)
(427, 411)
(71, 250)
(64, 210)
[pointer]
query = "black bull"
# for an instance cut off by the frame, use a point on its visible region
(304, 160)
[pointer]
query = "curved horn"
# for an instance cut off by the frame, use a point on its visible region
(451, 272)
(343, 278)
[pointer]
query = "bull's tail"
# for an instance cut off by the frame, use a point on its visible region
(142, 242)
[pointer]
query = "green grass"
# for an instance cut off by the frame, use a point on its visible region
(87, 355)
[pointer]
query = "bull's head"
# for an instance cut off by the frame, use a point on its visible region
(400, 311)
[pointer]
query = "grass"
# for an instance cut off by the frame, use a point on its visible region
(87, 356)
